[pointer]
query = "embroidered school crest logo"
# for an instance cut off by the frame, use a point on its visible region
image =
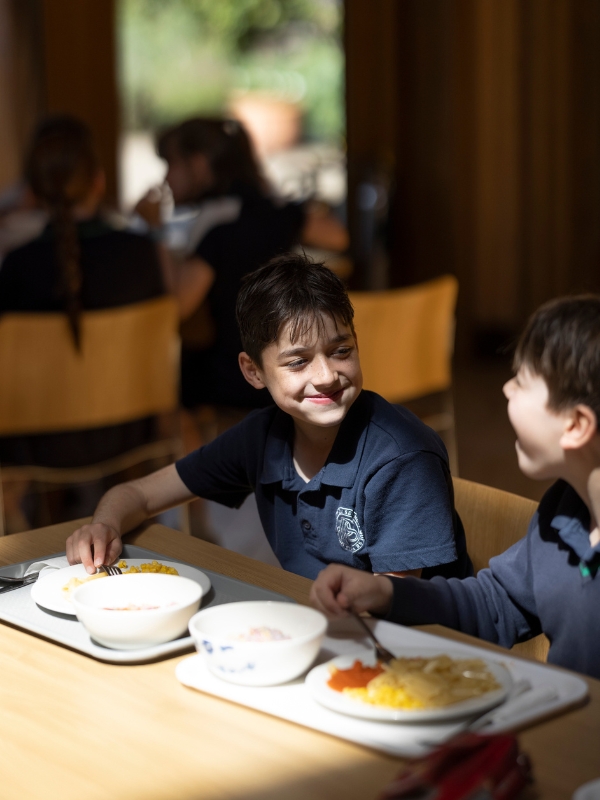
(348, 530)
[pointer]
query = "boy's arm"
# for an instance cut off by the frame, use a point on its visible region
(221, 471)
(122, 509)
(225, 470)
(497, 606)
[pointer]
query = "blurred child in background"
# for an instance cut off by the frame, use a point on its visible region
(78, 262)
(242, 225)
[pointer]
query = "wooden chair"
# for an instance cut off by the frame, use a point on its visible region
(406, 341)
(494, 520)
(128, 369)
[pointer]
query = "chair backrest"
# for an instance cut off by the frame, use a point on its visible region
(494, 520)
(127, 368)
(406, 338)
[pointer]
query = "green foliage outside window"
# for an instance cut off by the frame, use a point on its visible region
(184, 57)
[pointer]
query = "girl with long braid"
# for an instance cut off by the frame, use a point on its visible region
(79, 262)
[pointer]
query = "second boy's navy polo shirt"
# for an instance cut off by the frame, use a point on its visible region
(548, 582)
(383, 502)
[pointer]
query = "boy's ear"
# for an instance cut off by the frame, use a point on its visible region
(251, 371)
(580, 429)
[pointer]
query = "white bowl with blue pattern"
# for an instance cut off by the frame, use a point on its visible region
(223, 636)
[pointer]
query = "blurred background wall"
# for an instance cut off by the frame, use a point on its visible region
(21, 81)
(58, 56)
(485, 116)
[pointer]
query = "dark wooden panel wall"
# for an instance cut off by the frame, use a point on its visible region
(371, 106)
(80, 71)
(21, 100)
(57, 56)
(495, 119)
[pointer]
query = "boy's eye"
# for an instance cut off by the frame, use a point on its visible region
(343, 351)
(298, 362)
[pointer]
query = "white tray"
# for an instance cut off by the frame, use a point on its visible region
(293, 702)
(18, 608)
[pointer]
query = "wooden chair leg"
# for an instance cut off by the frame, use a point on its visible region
(2, 523)
(443, 423)
(12, 518)
(186, 525)
(451, 443)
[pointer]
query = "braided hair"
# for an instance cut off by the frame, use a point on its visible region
(61, 168)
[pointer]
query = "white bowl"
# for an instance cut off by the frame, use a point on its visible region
(100, 605)
(216, 632)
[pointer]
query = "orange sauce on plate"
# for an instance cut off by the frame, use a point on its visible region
(357, 677)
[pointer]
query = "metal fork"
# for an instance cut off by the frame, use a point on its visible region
(383, 654)
(24, 581)
(110, 570)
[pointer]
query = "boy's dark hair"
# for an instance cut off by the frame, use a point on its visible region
(561, 344)
(290, 288)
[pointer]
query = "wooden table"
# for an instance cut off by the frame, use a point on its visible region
(72, 727)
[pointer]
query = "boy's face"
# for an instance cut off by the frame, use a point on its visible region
(315, 379)
(539, 429)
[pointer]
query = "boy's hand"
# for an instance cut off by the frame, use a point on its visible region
(93, 545)
(339, 590)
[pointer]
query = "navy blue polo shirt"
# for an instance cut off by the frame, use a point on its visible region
(383, 502)
(547, 582)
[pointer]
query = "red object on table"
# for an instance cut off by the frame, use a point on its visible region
(468, 767)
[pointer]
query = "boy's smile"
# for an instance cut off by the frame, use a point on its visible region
(325, 398)
(314, 379)
(539, 429)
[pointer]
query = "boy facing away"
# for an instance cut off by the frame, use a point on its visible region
(549, 581)
(339, 474)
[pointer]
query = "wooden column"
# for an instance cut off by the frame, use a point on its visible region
(80, 71)
(20, 82)
(371, 102)
(496, 153)
(424, 239)
(496, 107)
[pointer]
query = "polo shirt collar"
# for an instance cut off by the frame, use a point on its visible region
(278, 464)
(344, 460)
(342, 465)
(572, 523)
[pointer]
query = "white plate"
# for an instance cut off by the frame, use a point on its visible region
(47, 591)
(317, 678)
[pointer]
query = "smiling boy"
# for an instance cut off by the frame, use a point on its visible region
(339, 474)
(549, 581)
